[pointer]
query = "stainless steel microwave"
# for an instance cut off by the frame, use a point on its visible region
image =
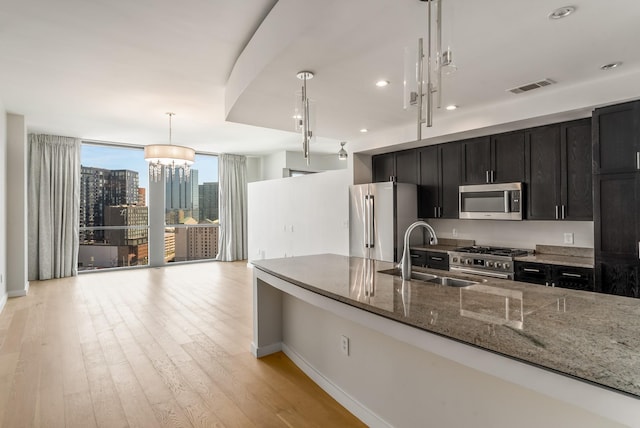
(498, 201)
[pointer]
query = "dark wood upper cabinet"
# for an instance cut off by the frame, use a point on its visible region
(476, 160)
(407, 162)
(508, 157)
(429, 190)
(616, 138)
(439, 181)
(576, 165)
(543, 170)
(449, 192)
(397, 166)
(383, 167)
(495, 159)
(558, 171)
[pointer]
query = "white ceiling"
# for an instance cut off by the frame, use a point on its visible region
(109, 70)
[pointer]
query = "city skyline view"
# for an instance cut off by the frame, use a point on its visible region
(116, 157)
(114, 182)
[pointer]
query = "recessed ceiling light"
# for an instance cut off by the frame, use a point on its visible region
(611, 65)
(451, 107)
(363, 130)
(562, 12)
(382, 83)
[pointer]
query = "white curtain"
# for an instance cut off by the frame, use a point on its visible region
(232, 200)
(53, 205)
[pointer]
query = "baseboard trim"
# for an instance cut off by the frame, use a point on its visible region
(347, 401)
(19, 293)
(3, 301)
(265, 350)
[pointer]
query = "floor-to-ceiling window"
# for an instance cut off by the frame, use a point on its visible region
(113, 207)
(191, 212)
(115, 204)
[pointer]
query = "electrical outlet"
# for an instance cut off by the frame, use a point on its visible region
(455, 232)
(344, 345)
(568, 238)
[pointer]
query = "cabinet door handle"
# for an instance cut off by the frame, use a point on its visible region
(571, 275)
(487, 174)
(557, 212)
(563, 212)
(415, 256)
(439, 211)
(437, 258)
(493, 178)
(531, 270)
(637, 160)
(435, 212)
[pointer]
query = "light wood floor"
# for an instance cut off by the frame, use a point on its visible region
(149, 348)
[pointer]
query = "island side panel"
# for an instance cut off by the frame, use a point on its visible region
(267, 318)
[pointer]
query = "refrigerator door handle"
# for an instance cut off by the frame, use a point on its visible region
(372, 230)
(365, 206)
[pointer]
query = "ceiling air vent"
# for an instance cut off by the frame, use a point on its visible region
(531, 86)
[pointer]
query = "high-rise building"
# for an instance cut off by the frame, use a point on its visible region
(179, 194)
(92, 201)
(100, 188)
(208, 195)
(127, 215)
(196, 242)
(142, 197)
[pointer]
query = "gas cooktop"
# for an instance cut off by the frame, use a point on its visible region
(494, 251)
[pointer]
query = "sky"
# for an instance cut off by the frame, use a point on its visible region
(112, 157)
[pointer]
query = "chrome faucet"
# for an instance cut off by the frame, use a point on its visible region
(405, 263)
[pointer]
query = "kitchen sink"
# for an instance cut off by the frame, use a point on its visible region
(451, 282)
(435, 279)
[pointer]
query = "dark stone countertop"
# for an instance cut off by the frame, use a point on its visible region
(590, 336)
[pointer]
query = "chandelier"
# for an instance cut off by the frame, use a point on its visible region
(169, 158)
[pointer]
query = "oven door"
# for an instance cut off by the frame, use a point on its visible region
(491, 201)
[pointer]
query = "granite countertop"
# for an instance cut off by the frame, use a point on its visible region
(436, 248)
(555, 259)
(444, 245)
(557, 255)
(586, 335)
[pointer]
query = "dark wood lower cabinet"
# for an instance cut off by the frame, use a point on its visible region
(620, 277)
(576, 278)
(430, 259)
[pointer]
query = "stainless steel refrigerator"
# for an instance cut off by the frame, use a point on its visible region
(379, 214)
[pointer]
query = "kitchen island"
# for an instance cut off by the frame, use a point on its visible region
(417, 346)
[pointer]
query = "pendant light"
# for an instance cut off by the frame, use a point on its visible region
(303, 115)
(423, 78)
(169, 158)
(342, 154)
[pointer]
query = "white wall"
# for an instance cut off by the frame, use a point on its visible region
(409, 387)
(516, 234)
(274, 164)
(3, 207)
(254, 169)
(299, 216)
(318, 162)
(17, 238)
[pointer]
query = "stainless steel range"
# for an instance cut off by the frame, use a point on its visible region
(489, 261)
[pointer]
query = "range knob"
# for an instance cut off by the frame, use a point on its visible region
(468, 261)
(491, 264)
(506, 265)
(498, 265)
(455, 260)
